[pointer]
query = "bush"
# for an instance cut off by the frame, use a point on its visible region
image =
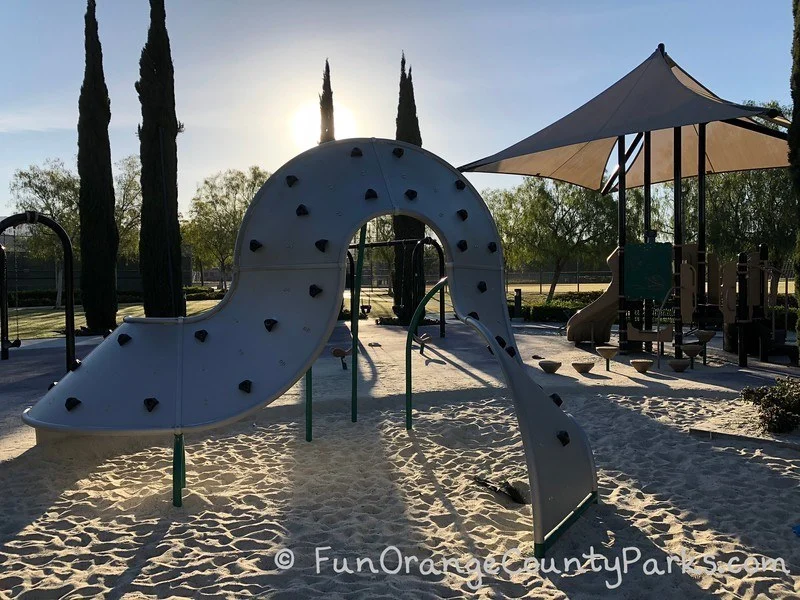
(581, 298)
(778, 405)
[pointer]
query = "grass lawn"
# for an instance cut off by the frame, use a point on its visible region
(46, 322)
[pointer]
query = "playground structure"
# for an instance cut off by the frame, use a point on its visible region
(681, 129)
(740, 296)
(32, 217)
(187, 375)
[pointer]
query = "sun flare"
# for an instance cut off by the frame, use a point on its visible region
(306, 126)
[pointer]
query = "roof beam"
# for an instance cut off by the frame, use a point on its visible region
(612, 180)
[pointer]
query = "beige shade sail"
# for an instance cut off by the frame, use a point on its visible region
(728, 148)
(656, 96)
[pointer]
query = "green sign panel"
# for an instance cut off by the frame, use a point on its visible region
(648, 271)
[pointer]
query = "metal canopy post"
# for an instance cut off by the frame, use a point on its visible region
(621, 226)
(701, 226)
(649, 234)
(677, 209)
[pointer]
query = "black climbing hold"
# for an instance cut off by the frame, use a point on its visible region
(474, 315)
(462, 214)
(255, 245)
(123, 338)
(301, 211)
(150, 404)
(314, 290)
(462, 245)
(557, 399)
(500, 341)
(52, 385)
(355, 152)
(492, 246)
(481, 286)
(563, 437)
(75, 365)
(411, 194)
(370, 194)
(291, 180)
(270, 323)
(321, 245)
(71, 403)
(511, 352)
(201, 334)
(398, 152)
(246, 386)
(460, 185)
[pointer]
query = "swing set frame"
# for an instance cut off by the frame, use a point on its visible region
(31, 217)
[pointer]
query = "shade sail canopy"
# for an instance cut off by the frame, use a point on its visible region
(656, 96)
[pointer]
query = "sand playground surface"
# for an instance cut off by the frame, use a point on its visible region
(267, 514)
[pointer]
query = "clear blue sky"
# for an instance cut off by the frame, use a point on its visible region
(247, 72)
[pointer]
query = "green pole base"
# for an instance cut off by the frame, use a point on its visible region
(178, 467)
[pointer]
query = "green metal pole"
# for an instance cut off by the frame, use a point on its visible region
(183, 463)
(356, 302)
(177, 480)
(410, 338)
(308, 405)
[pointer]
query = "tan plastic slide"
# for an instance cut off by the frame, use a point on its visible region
(595, 320)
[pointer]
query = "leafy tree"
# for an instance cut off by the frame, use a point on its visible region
(326, 133)
(160, 236)
(218, 208)
(52, 190)
(381, 230)
(100, 241)
(201, 256)
(542, 220)
(407, 295)
(128, 209)
(749, 208)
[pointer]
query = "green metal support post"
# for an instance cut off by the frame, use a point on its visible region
(178, 471)
(412, 326)
(308, 405)
(356, 302)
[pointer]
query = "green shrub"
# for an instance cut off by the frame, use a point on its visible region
(209, 294)
(581, 298)
(778, 405)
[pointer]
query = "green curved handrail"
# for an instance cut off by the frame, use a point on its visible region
(412, 327)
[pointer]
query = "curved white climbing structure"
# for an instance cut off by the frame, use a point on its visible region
(189, 374)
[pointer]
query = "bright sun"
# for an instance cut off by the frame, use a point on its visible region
(305, 124)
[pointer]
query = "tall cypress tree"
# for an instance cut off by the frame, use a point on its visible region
(160, 237)
(99, 240)
(408, 290)
(326, 133)
(794, 130)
